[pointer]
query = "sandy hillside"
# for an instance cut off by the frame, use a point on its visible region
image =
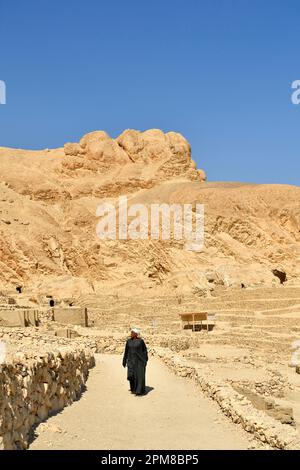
(48, 220)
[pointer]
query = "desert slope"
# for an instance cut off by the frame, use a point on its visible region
(48, 220)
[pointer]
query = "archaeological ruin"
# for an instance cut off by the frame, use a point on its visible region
(224, 321)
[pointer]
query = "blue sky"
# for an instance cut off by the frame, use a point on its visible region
(218, 71)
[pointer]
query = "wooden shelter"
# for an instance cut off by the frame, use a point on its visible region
(196, 318)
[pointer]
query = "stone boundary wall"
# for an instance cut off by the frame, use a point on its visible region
(71, 315)
(34, 338)
(115, 343)
(234, 405)
(110, 345)
(19, 317)
(34, 386)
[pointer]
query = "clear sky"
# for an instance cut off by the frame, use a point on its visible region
(218, 71)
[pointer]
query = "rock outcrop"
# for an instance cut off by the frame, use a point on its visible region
(48, 220)
(168, 155)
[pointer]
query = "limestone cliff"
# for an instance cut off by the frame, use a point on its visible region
(48, 219)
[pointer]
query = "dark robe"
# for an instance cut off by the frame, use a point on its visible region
(136, 357)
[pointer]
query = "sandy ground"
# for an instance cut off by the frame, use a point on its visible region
(173, 415)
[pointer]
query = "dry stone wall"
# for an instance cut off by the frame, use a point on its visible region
(37, 338)
(36, 384)
(114, 344)
(276, 386)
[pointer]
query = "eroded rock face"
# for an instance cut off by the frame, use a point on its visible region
(169, 154)
(48, 219)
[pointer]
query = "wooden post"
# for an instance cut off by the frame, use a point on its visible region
(86, 320)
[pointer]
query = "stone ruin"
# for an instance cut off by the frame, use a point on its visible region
(41, 396)
(39, 374)
(14, 315)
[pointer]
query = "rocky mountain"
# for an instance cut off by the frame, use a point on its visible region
(48, 220)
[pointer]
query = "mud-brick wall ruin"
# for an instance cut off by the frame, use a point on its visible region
(34, 386)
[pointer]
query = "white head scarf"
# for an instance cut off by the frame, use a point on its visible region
(136, 330)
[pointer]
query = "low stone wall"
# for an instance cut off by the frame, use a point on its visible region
(284, 414)
(46, 315)
(115, 343)
(276, 386)
(19, 317)
(71, 315)
(110, 345)
(234, 405)
(36, 338)
(36, 385)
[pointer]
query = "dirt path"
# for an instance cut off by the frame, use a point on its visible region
(173, 415)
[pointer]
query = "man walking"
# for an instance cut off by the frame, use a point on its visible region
(136, 358)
